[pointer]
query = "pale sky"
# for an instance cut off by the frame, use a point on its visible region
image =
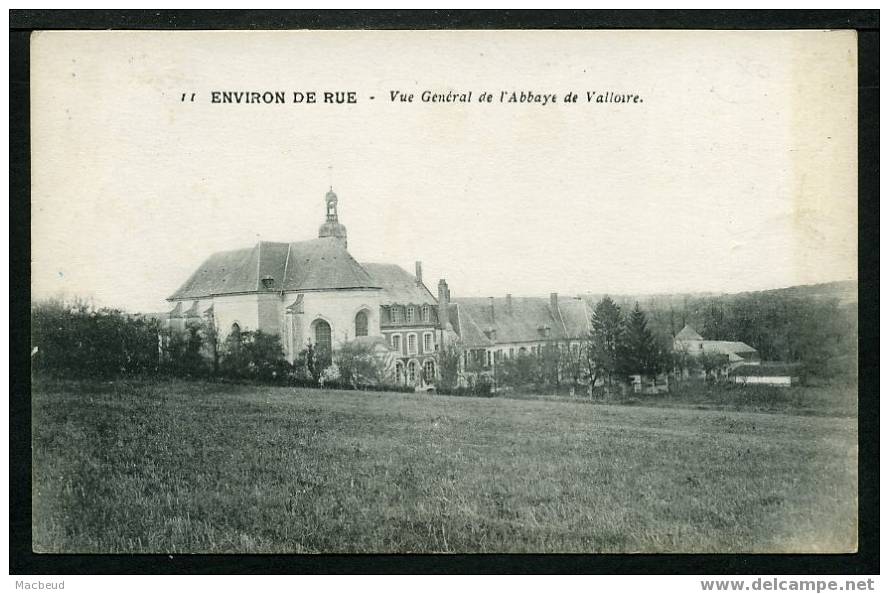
(737, 172)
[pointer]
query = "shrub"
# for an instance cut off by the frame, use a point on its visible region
(254, 355)
(77, 340)
(360, 366)
(182, 351)
(311, 363)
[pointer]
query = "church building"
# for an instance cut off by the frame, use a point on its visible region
(315, 292)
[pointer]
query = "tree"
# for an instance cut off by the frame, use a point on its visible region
(449, 367)
(183, 350)
(605, 338)
(253, 355)
(638, 351)
(683, 361)
(712, 362)
(359, 366)
(716, 323)
(76, 339)
(588, 357)
(520, 371)
(549, 365)
(574, 363)
(311, 362)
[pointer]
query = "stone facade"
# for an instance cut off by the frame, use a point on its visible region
(315, 293)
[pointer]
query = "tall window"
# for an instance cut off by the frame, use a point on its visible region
(396, 343)
(427, 342)
(411, 344)
(361, 324)
(399, 372)
(429, 371)
(412, 372)
(236, 335)
(426, 313)
(322, 336)
(409, 315)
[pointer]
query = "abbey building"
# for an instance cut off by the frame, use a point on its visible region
(314, 292)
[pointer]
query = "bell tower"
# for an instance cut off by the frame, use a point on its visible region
(332, 226)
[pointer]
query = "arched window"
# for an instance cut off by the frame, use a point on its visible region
(412, 372)
(361, 324)
(428, 346)
(235, 335)
(399, 372)
(429, 371)
(411, 344)
(396, 343)
(322, 336)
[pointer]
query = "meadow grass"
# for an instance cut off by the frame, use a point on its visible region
(198, 467)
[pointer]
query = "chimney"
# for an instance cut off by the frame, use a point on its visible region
(418, 266)
(509, 303)
(554, 304)
(491, 303)
(444, 300)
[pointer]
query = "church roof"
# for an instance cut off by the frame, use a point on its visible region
(525, 320)
(271, 266)
(399, 286)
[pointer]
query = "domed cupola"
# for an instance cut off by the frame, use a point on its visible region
(332, 226)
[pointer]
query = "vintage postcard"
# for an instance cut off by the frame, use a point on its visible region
(444, 291)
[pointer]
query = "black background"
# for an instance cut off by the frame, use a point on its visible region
(24, 561)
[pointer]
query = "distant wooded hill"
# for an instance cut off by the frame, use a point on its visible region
(845, 292)
(816, 325)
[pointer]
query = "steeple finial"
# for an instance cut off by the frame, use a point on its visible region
(332, 226)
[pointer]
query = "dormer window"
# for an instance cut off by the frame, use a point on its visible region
(409, 315)
(427, 313)
(395, 312)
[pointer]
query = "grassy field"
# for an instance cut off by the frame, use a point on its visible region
(839, 400)
(174, 466)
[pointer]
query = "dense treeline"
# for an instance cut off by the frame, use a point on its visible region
(821, 334)
(75, 339)
(78, 340)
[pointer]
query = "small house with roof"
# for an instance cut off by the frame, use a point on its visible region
(733, 353)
